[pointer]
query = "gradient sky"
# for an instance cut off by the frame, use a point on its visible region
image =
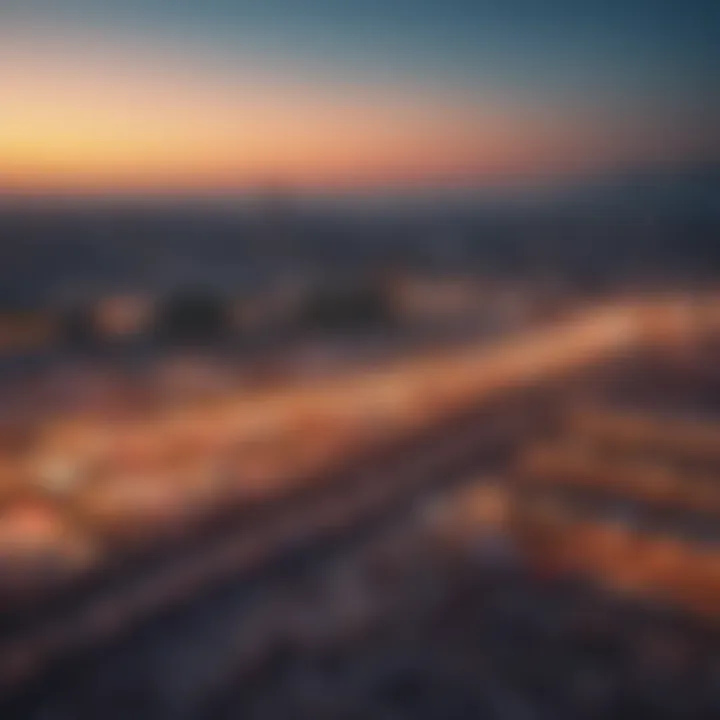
(118, 95)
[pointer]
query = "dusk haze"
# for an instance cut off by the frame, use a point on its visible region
(121, 96)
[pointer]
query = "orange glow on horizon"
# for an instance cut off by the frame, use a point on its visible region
(102, 122)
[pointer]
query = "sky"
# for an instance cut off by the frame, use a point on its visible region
(165, 95)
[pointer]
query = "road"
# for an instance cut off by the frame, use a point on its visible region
(491, 401)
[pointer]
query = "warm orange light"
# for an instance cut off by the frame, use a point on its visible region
(97, 120)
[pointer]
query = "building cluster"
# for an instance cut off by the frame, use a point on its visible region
(631, 499)
(440, 616)
(578, 576)
(103, 466)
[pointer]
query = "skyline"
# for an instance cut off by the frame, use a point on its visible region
(114, 97)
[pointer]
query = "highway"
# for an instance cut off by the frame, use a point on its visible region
(484, 403)
(131, 601)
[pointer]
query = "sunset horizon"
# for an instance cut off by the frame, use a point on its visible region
(104, 101)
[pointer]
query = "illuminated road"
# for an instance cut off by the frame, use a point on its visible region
(458, 416)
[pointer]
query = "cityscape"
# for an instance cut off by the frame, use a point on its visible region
(359, 360)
